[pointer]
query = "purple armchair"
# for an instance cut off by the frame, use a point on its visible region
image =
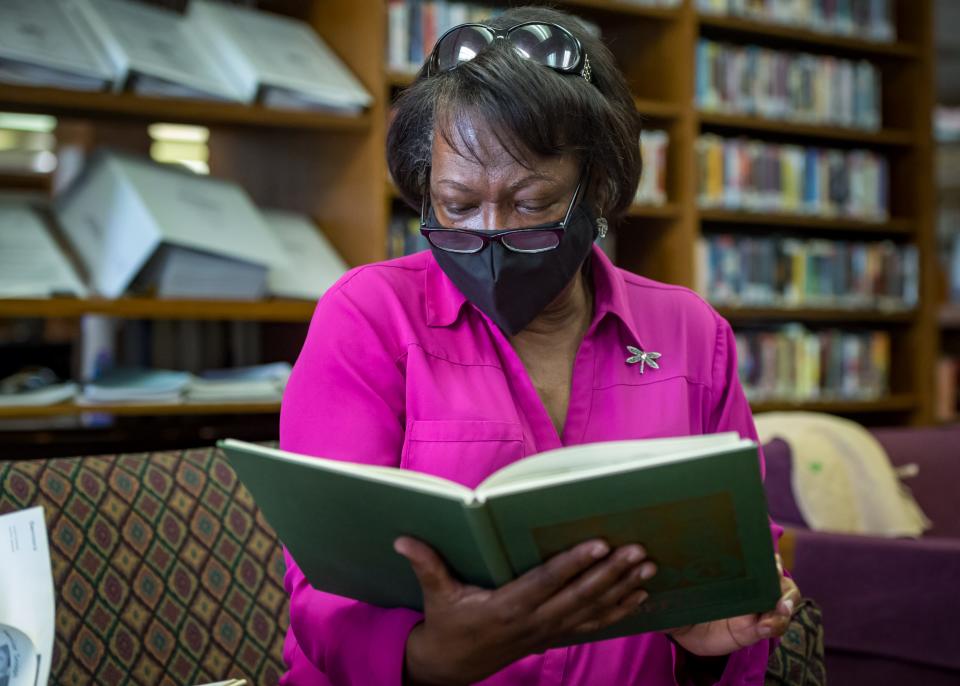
(890, 606)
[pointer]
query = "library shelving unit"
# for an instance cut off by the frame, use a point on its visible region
(656, 48)
(333, 168)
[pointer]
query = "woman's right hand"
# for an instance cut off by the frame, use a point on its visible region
(468, 633)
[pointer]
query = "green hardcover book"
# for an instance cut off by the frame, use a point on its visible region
(696, 503)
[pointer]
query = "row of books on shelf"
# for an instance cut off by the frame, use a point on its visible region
(38, 387)
(789, 272)
(792, 86)
(214, 51)
(413, 26)
(796, 364)
(869, 19)
(130, 225)
(753, 175)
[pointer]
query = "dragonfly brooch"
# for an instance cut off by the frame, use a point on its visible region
(643, 357)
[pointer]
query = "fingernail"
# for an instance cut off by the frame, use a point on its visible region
(634, 555)
(599, 550)
(398, 546)
(642, 597)
(647, 571)
(764, 631)
(788, 603)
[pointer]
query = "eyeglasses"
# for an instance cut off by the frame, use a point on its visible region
(530, 240)
(548, 44)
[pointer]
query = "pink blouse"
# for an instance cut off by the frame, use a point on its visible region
(399, 369)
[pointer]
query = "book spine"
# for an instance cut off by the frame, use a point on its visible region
(786, 85)
(398, 36)
(489, 544)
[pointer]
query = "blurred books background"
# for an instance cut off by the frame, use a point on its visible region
(180, 181)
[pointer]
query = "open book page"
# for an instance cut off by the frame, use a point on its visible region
(406, 478)
(578, 459)
(26, 599)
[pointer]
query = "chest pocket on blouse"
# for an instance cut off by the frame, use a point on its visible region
(465, 451)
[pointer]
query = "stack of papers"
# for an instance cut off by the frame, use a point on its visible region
(47, 43)
(156, 50)
(257, 384)
(178, 234)
(137, 386)
(31, 263)
(40, 397)
(280, 58)
(314, 264)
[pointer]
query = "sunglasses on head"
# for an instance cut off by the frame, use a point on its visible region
(544, 43)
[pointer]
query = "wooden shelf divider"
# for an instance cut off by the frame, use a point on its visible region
(657, 109)
(154, 308)
(131, 106)
(665, 211)
(800, 37)
(139, 410)
(896, 226)
(901, 402)
(819, 315)
(624, 7)
(758, 125)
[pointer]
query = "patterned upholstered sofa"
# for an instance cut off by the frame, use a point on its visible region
(164, 569)
(166, 573)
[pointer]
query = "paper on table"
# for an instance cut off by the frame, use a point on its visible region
(26, 599)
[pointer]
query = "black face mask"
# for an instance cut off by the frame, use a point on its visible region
(513, 288)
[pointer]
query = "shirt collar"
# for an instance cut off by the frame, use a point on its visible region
(610, 296)
(443, 300)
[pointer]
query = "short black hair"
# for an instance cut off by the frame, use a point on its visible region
(529, 108)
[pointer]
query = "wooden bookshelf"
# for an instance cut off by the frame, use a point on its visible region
(626, 8)
(781, 35)
(399, 79)
(727, 219)
(24, 181)
(892, 403)
(139, 409)
(745, 124)
(665, 211)
(949, 317)
(128, 105)
(155, 308)
(656, 110)
(333, 167)
(818, 315)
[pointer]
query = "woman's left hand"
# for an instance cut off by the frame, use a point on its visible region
(725, 636)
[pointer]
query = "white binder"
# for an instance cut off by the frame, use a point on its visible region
(280, 58)
(157, 50)
(123, 210)
(49, 43)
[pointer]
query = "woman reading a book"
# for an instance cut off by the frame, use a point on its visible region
(514, 334)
